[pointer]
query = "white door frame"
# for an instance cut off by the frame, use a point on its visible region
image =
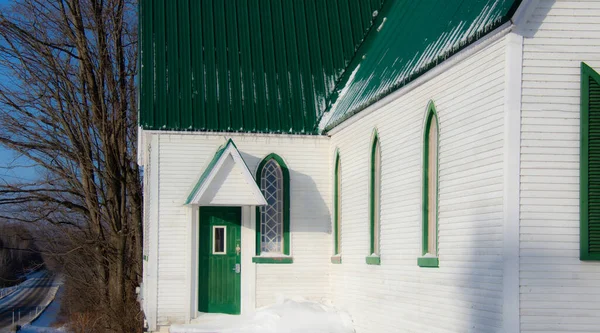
(248, 279)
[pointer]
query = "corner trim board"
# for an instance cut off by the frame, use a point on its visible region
(153, 250)
(512, 172)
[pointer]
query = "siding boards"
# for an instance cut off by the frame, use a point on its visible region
(465, 293)
(554, 282)
(181, 160)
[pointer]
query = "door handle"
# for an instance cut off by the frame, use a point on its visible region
(237, 268)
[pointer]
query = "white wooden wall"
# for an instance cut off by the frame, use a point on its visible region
(465, 294)
(182, 159)
(559, 293)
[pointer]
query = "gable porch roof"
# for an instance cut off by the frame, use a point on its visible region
(246, 184)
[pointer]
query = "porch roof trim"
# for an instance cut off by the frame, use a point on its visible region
(216, 163)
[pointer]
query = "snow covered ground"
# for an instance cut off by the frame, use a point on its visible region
(45, 322)
(288, 316)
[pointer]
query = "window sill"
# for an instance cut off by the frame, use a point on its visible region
(589, 257)
(336, 259)
(373, 260)
(428, 262)
(272, 260)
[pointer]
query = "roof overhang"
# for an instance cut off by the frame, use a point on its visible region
(226, 181)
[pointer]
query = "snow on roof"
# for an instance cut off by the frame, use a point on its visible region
(412, 37)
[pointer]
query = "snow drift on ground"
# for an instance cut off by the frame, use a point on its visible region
(287, 316)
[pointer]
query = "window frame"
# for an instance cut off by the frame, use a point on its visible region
(587, 73)
(284, 257)
(429, 261)
(373, 258)
(337, 211)
(214, 251)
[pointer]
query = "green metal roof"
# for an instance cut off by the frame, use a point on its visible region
(245, 65)
(409, 38)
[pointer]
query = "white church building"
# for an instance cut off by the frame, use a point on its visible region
(425, 166)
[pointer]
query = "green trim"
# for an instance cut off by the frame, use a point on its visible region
(428, 262)
(372, 207)
(373, 260)
(272, 260)
(587, 74)
(431, 115)
(286, 202)
(337, 259)
(336, 209)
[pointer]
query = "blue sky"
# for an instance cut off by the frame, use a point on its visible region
(10, 164)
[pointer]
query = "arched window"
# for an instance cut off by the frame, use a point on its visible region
(337, 203)
(430, 190)
(375, 202)
(273, 219)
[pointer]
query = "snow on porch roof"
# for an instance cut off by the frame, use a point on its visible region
(411, 38)
(213, 168)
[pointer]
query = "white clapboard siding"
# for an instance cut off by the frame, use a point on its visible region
(559, 293)
(465, 293)
(183, 157)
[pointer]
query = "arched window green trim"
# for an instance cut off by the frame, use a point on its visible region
(431, 119)
(286, 212)
(375, 201)
(337, 210)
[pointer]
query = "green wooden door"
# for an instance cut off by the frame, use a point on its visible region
(219, 260)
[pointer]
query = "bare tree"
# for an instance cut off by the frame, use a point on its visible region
(69, 106)
(18, 254)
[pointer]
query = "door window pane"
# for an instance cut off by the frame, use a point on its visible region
(219, 240)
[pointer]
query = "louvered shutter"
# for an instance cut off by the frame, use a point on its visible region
(590, 164)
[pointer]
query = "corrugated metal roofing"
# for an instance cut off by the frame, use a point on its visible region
(245, 65)
(408, 38)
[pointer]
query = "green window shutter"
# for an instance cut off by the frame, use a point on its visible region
(590, 164)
